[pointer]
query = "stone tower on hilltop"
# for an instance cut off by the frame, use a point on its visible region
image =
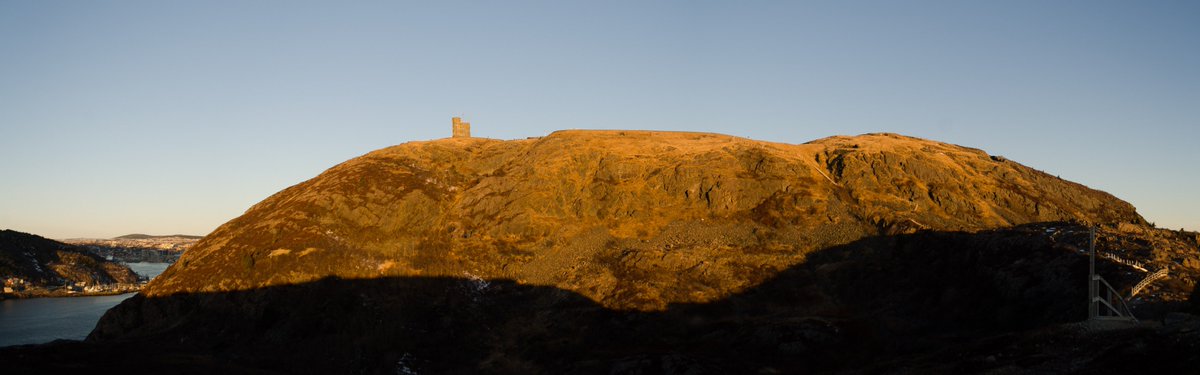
(460, 129)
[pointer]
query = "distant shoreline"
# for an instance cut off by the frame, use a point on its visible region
(66, 291)
(61, 293)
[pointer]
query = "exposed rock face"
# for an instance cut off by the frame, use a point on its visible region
(44, 262)
(630, 219)
(647, 252)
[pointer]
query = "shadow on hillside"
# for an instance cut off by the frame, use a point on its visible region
(847, 306)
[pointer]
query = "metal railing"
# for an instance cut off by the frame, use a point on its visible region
(1147, 281)
(1115, 306)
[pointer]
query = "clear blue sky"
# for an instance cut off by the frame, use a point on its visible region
(174, 117)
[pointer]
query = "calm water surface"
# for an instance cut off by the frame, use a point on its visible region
(148, 269)
(40, 320)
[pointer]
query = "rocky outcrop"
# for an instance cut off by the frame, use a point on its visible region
(41, 262)
(632, 252)
(630, 219)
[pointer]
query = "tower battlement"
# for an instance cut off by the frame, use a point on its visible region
(459, 128)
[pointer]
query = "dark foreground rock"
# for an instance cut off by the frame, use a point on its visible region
(1005, 300)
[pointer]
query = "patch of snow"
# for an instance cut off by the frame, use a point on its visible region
(475, 286)
(404, 365)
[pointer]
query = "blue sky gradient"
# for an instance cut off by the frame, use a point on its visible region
(174, 117)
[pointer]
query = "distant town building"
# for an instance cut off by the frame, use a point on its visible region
(460, 129)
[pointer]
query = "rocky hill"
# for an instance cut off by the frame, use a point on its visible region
(620, 216)
(630, 252)
(39, 266)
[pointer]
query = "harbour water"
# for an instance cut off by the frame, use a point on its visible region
(148, 269)
(41, 320)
